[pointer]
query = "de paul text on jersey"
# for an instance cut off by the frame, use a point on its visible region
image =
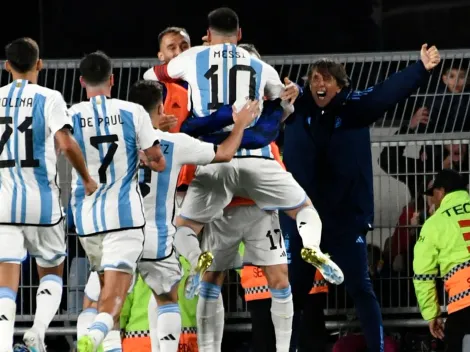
(108, 120)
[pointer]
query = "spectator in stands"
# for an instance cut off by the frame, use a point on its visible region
(327, 149)
(412, 171)
(447, 110)
(443, 249)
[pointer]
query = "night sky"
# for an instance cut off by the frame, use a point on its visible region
(72, 28)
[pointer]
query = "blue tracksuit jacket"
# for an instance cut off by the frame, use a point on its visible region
(328, 150)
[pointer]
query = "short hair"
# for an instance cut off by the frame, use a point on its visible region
(96, 68)
(146, 93)
(329, 67)
(173, 30)
(22, 54)
(251, 49)
(223, 20)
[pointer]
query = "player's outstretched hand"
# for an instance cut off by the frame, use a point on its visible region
(430, 57)
(291, 92)
(167, 122)
(90, 187)
(246, 115)
(157, 165)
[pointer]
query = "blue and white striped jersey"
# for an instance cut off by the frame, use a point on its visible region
(224, 74)
(158, 189)
(30, 115)
(110, 133)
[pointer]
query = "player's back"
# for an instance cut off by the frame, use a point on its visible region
(108, 132)
(30, 115)
(225, 74)
(159, 188)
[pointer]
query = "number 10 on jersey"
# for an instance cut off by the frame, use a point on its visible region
(233, 90)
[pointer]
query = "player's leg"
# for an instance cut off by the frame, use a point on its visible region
(152, 313)
(47, 245)
(162, 277)
(90, 304)
(120, 252)
(222, 238)
(276, 189)
(209, 193)
(264, 247)
(12, 253)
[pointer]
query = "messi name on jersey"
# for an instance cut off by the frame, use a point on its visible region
(228, 54)
(108, 120)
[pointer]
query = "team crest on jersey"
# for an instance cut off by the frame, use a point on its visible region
(98, 100)
(18, 84)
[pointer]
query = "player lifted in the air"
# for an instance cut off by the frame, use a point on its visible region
(110, 223)
(32, 120)
(159, 265)
(220, 74)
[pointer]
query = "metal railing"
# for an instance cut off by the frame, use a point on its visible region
(400, 174)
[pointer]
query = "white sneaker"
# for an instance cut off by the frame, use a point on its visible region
(33, 341)
(330, 271)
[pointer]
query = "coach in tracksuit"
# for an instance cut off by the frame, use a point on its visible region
(327, 148)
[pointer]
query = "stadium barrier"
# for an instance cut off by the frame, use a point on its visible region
(392, 276)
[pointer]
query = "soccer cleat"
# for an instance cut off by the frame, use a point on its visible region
(330, 271)
(85, 344)
(33, 341)
(194, 280)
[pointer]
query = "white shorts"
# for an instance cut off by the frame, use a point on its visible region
(263, 180)
(258, 229)
(119, 250)
(45, 243)
(161, 275)
(93, 286)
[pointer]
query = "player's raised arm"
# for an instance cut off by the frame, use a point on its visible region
(60, 123)
(176, 69)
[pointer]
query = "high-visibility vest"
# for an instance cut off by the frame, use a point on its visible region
(256, 286)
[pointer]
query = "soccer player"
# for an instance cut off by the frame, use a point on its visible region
(112, 134)
(33, 119)
(159, 265)
(222, 74)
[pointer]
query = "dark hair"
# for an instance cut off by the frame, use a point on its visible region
(146, 93)
(329, 67)
(96, 68)
(251, 49)
(22, 54)
(172, 30)
(223, 20)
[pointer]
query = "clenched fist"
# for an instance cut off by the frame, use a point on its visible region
(430, 57)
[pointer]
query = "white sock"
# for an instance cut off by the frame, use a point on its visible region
(7, 318)
(282, 313)
(169, 327)
(112, 342)
(187, 245)
(48, 300)
(85, 319)
(309, 226)
(219, 324)
(153, 318)
(100, 328)
(207, 309)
